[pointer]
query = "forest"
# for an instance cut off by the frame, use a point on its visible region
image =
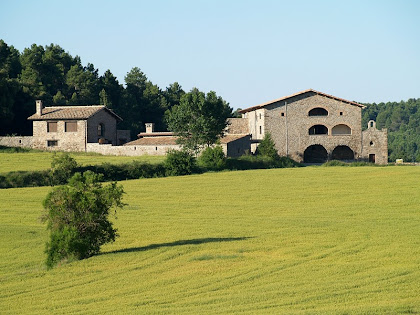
(55, 76)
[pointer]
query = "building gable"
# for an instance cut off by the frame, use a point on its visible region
(299, 95)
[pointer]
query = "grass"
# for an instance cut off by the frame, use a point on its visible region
(41, 160)
(315, 240)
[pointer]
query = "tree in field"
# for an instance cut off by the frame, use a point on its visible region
(199, 120)
(77, 217)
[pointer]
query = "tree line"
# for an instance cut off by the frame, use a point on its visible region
(53, 75)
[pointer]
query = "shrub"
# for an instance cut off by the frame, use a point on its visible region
(62, 168)
(335, 163)
(179, 163)
(247, 162)
(212, 159)
(77, 216)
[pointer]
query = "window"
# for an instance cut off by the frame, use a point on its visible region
(341, 130)
(52, 143)
(260, 130)
(341, 113)
(371, 143)
(260, 116)
(282, 114)
(70, 126)
(318, 130)
(101, 130)
(318, 111)
(52, 126)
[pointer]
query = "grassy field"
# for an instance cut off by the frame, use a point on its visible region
(34, 161)
(334, 240)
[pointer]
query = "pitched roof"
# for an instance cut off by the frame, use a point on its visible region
(155, 134)
(171, 140)
(162, 140)
(229, 138)
(250, 109)
(71, 112)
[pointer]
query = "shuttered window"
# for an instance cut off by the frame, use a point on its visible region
(71, 126)
(52, 126)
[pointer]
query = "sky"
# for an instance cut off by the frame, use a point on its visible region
(248, 52)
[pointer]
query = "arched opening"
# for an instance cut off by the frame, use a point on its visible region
(101, 130)
(318, 130)
(342, 152)
(315, 154)
(318, 111)
(340, 130)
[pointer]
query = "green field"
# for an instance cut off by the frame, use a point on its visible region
(35, 161)
(335, 240)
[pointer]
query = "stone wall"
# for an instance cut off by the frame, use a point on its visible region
(16, 141)
(130, 150)
(237, 126)
(375, 144)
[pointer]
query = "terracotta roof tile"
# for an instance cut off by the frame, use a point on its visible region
(230, 138)
(155, 134)
(70, 112)
(250, 109)
(171, 140)
(163, 140)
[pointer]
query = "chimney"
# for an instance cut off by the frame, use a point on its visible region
(150, 127)
(39, 107)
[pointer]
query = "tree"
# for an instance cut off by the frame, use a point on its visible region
(199, 120)
(143, 100)
(173, 94)
(267, 147)
(62, 168)
(77, 217)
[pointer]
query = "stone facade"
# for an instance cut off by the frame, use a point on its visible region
(314, 127)
(71, 128)
(375, 144)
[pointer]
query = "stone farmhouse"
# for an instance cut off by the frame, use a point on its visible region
(314, 127)
(71, 128)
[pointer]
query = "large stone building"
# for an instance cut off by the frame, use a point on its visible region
(71, 128)
(314, 127)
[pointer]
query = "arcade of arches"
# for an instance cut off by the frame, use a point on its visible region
(318, 154)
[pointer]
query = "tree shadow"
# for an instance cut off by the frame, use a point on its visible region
(196, 241)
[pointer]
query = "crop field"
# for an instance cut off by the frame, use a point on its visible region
(35, 161)
(314, 240)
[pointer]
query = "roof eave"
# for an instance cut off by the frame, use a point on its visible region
(250, 109)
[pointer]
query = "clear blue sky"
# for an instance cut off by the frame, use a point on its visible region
(249, 52)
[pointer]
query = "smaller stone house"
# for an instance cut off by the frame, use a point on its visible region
(71, 128)
(152, 142)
